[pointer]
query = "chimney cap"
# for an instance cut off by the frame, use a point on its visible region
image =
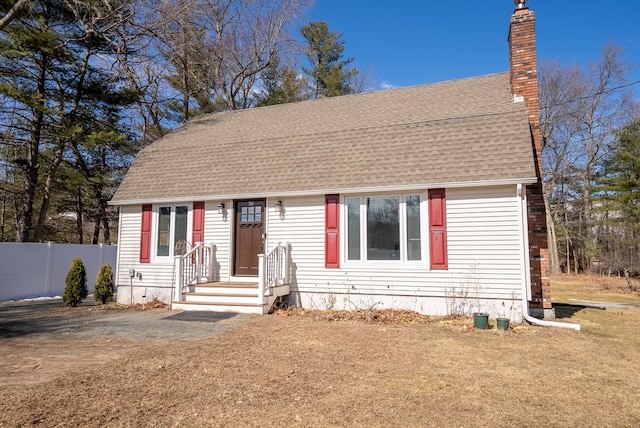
(520, 4)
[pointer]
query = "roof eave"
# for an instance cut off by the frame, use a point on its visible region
(349, 190)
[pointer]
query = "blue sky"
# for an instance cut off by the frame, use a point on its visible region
(410, 42)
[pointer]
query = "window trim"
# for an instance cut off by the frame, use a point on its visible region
(155, 227)
(403, 260)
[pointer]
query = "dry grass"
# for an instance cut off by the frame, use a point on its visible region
(368, 369)
(567, 288)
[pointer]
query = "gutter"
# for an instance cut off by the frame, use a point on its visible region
(525, 275)
(326, 191)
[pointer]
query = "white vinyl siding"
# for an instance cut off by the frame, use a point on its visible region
(483, 253)
(153, 275)
(157, 276)
(483, 250)
(217, 231)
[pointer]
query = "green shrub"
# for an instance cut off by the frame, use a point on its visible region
(103, 289)
(76, 284)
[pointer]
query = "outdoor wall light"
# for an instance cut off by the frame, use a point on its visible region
(280, 209)
(222, 209)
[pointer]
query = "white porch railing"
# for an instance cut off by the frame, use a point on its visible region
(273, 270)
(194, 267)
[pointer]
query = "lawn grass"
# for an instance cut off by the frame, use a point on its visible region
(315, 369)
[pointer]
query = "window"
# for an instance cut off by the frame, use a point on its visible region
(353, 226)
(384, 228)
(414, 244)
(172, 227)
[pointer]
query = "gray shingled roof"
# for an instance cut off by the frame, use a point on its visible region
(462, 131)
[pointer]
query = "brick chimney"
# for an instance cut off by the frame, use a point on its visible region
(524, 69)
(524, 86)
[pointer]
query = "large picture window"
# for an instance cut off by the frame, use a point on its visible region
(172, 227)
(383, 228)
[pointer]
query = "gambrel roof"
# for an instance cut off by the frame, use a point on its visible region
(461, 132)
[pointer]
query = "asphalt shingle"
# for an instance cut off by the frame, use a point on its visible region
(461, 131)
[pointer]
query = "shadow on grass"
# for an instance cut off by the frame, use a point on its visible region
(33, 317)
(567, 310)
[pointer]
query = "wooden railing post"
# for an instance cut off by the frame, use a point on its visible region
(261, 278)
(178, 280)
(198, 261)
(287, 268)
(276, 265)
(210, 274)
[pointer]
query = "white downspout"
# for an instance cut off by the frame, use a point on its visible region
(525, 275)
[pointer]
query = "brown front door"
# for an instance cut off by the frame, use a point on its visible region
(249, 236)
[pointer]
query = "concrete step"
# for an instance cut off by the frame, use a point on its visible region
(199, 297)
(239, 297)
(222, 288)
(221, 307)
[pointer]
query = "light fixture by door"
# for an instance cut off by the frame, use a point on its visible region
(280, 209)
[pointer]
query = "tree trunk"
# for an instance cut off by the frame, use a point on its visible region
(96, 232)
(48, 191)
(24, 226)
(105, 227)
(79, 209)
(629, 282)
(6, 20)
(554, 259)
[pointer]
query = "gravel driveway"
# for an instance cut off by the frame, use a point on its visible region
(52, 319)
(43, 339)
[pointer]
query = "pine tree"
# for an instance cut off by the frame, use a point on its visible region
(329, 71)
(281, 85)
(103, 289)
(617, 203)
(56, 96)
(75, 284)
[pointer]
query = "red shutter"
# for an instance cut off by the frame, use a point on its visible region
(437, 229)
(197, 234)
(332, 232)
(145, 235)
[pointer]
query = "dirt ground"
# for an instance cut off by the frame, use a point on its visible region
(41, 339)
(118, 367)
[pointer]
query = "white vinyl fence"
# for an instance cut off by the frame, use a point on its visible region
(37, 270)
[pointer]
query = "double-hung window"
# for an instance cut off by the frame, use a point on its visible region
(384, 228)
(172, 227)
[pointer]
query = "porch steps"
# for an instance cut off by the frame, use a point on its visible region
(239, 297)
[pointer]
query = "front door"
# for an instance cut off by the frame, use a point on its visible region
(249, 236)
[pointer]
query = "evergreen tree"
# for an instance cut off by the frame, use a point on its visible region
(329, 71)
(59, 102)
(281, 85)
(617, 203)
(75, 284)
(103, 289)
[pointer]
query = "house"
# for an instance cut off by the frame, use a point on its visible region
(425, 198)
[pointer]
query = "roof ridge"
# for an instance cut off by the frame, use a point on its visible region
(388, 127)
(342, 97)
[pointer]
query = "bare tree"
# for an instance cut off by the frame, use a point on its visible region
(187, 57)
(582, 108)
(11, 14)
(243, 37)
